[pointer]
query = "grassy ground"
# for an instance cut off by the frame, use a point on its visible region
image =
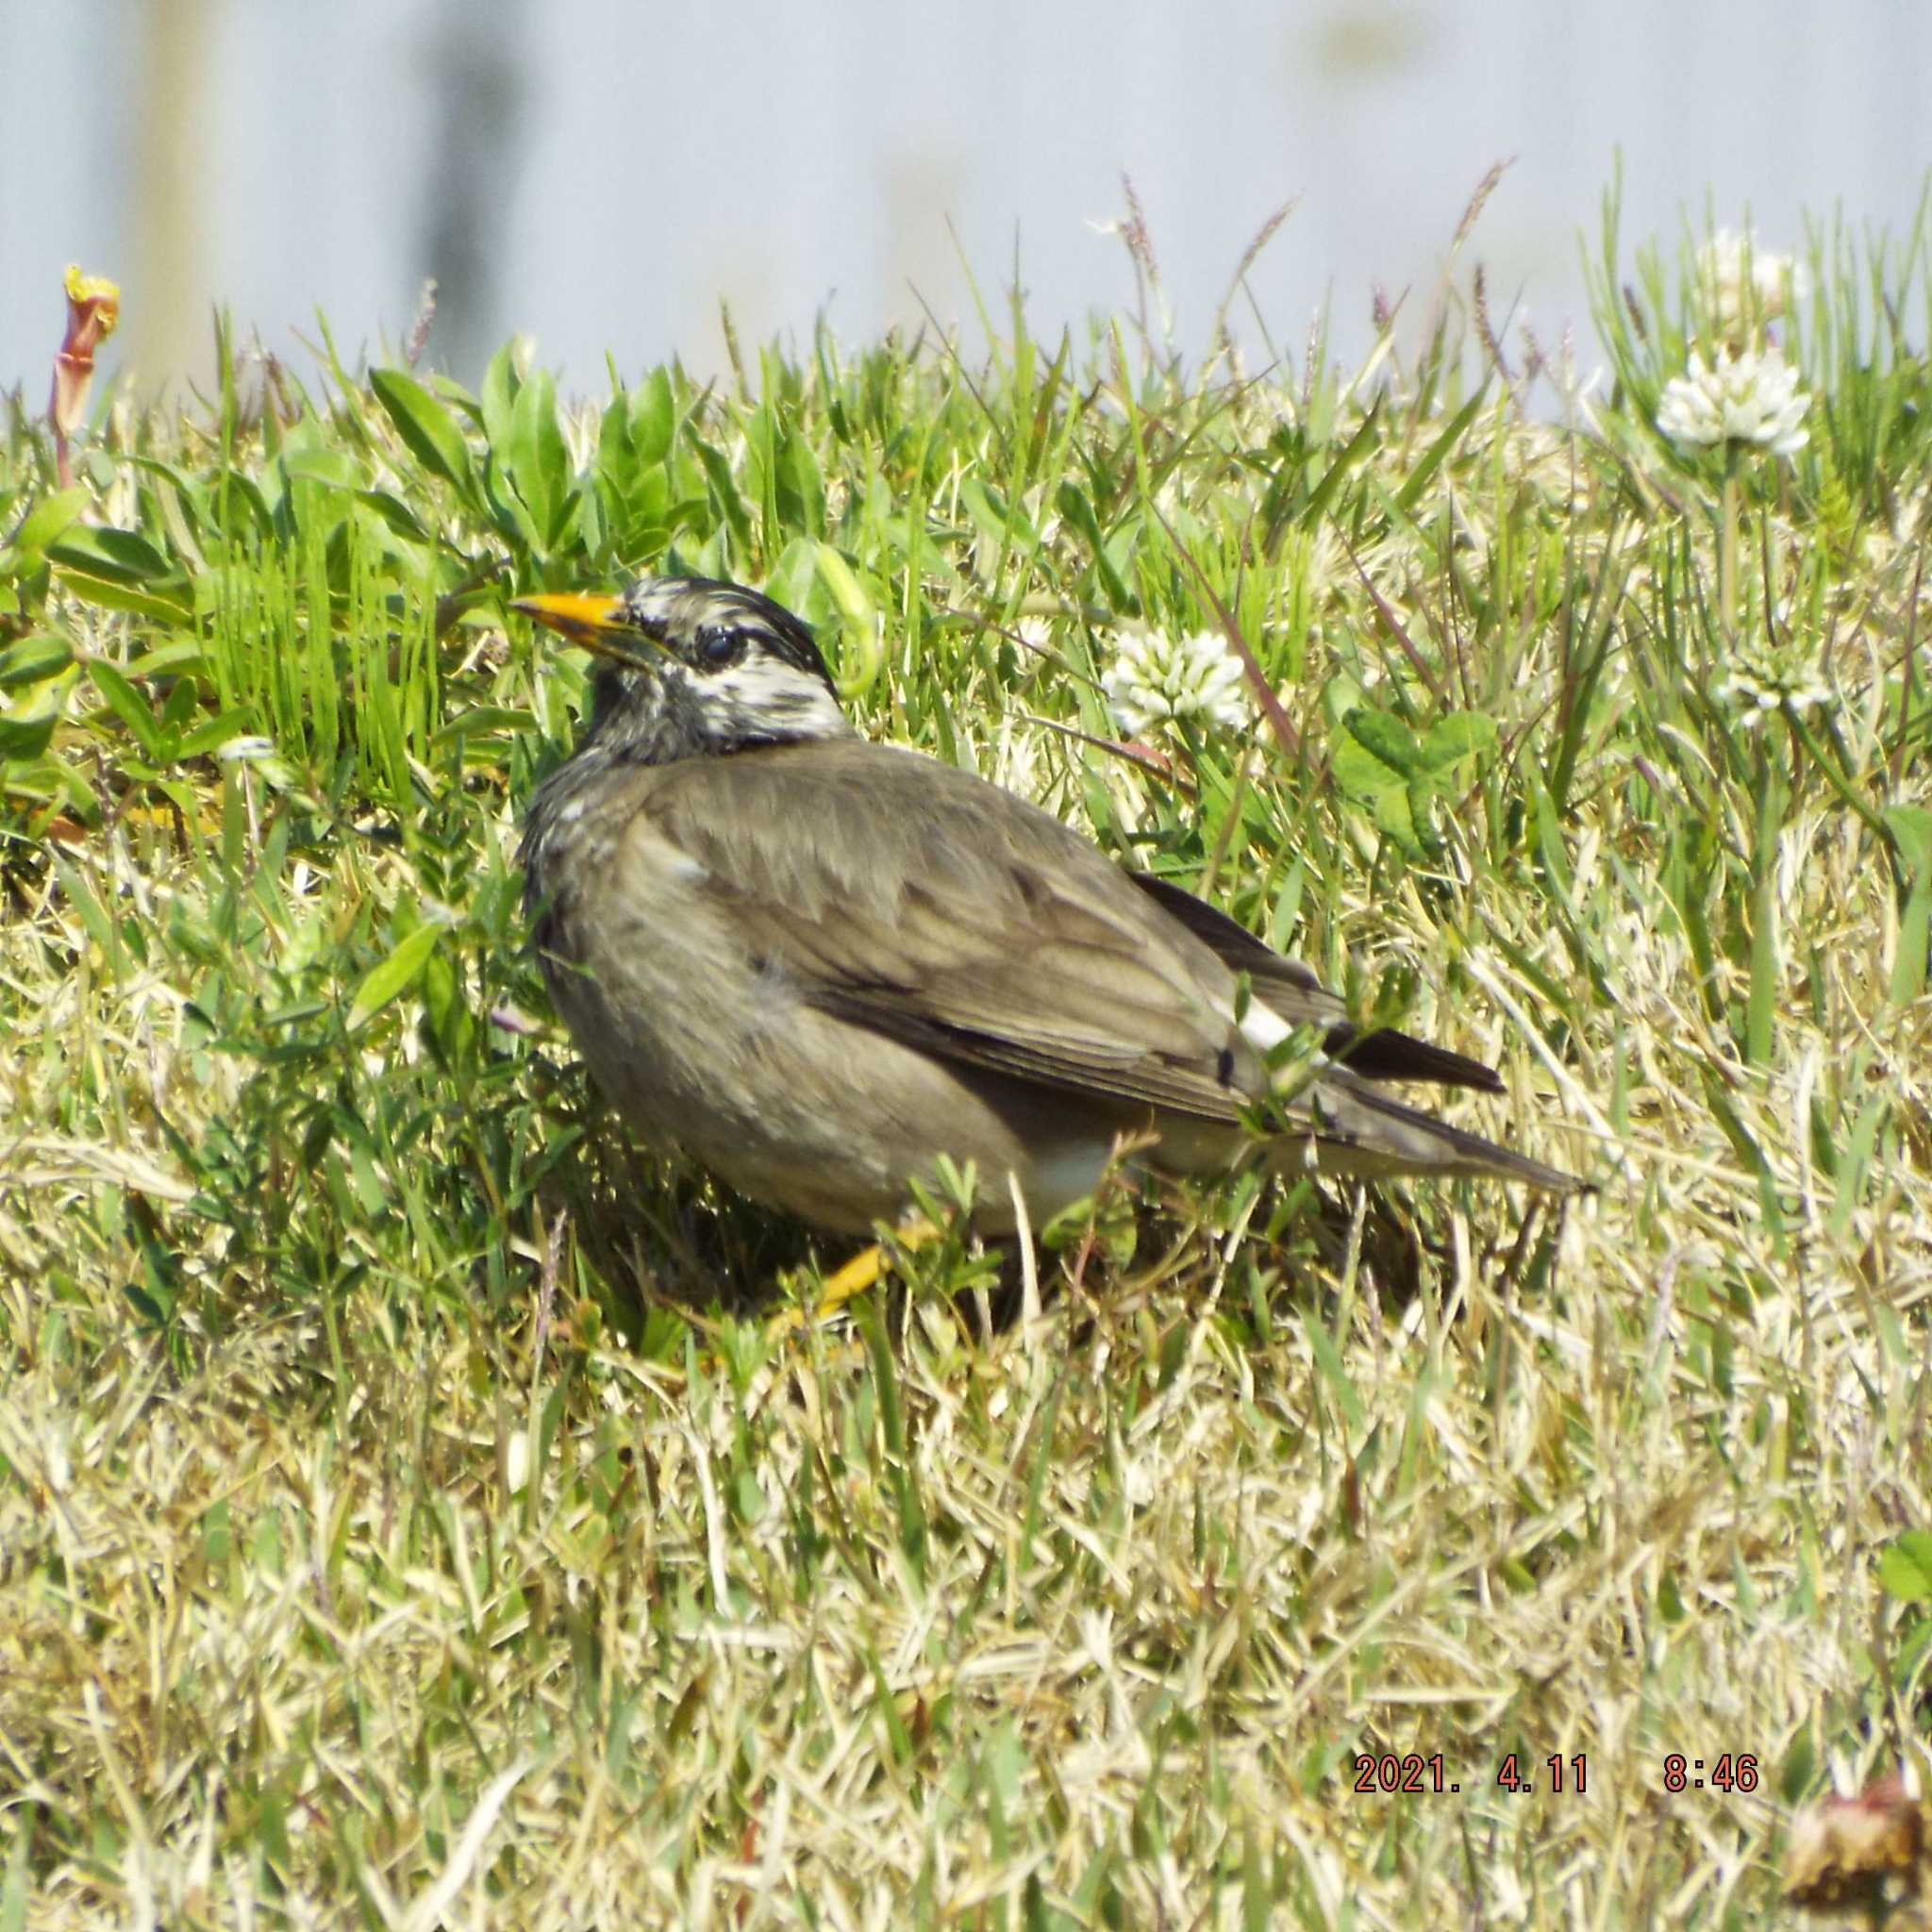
(407, 1512)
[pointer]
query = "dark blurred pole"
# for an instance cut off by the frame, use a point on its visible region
(166, 297)
(477, 90)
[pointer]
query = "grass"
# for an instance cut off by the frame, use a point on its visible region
(407, 1514)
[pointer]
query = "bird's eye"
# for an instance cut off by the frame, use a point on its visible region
(717, 645)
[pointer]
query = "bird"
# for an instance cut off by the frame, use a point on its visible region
(815, 964)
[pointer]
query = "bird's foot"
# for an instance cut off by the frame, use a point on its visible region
(858, 1274)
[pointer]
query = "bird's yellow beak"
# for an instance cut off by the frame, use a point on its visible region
(598, 624)
(580, 618)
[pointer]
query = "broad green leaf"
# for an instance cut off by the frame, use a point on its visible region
(633, 490)
(394, 975)
(617, 460)
(498, 396)
(652, 416)
(798, 468)
(334, 467)
(424, 424)
(35, 658)
(861, 654)
(1359, 772)
(143, 602)
(1388, 740)
(564, 522)
(1457, 736)
(24, 733)
(129, 707)
(395, 513)
(448, 390)
(217, 732)
(48, 519)
(1420, 796)
(536, 457)
(508, 511)
(1395, 815)
(124, 556)
(793, 579)
(1905, 1567)
(178, 654)
(182, 703)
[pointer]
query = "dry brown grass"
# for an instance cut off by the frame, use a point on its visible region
(369, 1554)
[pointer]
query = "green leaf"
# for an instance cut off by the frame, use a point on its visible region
(131, 709)
(44, 654)
(335, 468)
(1312, 511)
(1905, 1567)
(861, 655)
(1389, 742)
(1331, 1369)
(724, 486)
(1419, 799)
(536, 459)
(24, 734)
(92, 914)
(425, 425)
(499, 396)
(1669, 1599)
(798, 468)
(177, 656)
(395, 513)
(392, 976)
(1359, 771)
(48, 519)
(652, 417)
(1432, 461)
(215, 733)
(110, 596)
(1457, 736)
(233, 485)
(484, 720)
(1911, 826)
(1395, 817)
(635, 492)
(124, 556)
(1078, 512)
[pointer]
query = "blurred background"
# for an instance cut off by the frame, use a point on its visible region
(600, 174)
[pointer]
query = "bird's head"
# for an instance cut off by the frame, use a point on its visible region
(690, 666)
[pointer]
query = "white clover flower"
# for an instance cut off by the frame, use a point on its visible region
(1034, 635)
(1763, 683)
(1744, 287)
(1155, 678)
(1749, 398)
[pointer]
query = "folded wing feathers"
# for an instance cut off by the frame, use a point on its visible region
(1020, 948)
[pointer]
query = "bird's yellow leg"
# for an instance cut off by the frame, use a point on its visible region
(858, 1274)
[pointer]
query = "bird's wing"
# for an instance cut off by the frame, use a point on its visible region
(926, 903)
(1291, 991)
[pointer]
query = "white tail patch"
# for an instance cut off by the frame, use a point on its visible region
(1264, 1029)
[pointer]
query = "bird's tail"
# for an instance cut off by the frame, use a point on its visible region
(1358, 1129)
